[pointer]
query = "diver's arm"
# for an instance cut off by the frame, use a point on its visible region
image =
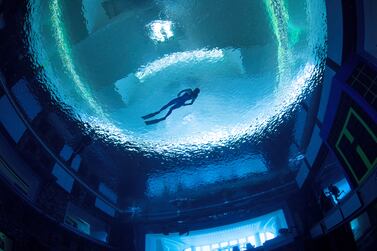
(183, 91)
(191, 102)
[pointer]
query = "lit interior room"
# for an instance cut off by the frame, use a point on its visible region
(188, 125)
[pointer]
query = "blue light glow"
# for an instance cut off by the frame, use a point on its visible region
(256, 231)
(248, 82)
(161, 183)
(343, 187)
(160, 30)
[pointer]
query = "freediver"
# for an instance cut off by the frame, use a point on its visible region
(181, 99)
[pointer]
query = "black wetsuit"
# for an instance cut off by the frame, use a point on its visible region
(183, 97)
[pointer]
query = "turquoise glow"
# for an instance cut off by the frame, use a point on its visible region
(65, 55)
(132, 64)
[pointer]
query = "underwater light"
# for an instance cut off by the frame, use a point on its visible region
(252, 73)
(254, 231)
(160, 30)
(178, 57)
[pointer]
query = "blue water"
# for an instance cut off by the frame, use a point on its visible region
(254, 61)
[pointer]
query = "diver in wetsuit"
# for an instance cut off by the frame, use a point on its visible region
(334, 191)
(182, 97)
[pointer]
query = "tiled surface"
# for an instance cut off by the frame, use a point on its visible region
(364, 81)
(63, 178)
(10, 120)
(26, 99)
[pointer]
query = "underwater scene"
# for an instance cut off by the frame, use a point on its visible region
(192, 94)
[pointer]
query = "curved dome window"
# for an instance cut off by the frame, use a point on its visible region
(112, 62)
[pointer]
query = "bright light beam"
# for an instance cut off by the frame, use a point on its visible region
(160, 30)
(178, 57)
(64, 51)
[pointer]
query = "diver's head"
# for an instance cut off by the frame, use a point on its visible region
(196, 91)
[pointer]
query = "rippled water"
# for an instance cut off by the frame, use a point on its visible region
(110, 65)
(107, 65)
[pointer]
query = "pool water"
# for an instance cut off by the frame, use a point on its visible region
(112, 62)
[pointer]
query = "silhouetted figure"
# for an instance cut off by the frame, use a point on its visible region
(324, 202)
(182, 97)
(249, 246)
(334, 191)
(236, 248)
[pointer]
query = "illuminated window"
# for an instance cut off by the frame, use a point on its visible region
(252, 240)
(262, 238)
(232, 243)
(206, 248)
(269, 236)
(10, 120)
(254, 231)
(188, 249)
(215, 246)
(360, 225)
(224, 244)
(242, 241)
(344, 189)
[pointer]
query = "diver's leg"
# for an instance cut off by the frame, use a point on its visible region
(155, 121)
(170, 111)
(172, 102)
(150, 115)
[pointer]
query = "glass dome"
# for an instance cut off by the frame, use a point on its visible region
(114, 69)
(112, 62)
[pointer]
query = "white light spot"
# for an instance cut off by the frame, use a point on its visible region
(160, 30)
(178, 57)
